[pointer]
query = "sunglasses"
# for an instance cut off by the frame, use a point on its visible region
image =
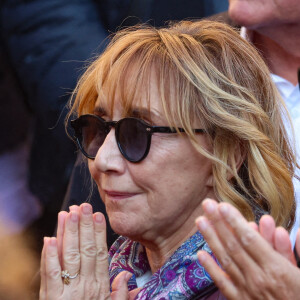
(133, 135)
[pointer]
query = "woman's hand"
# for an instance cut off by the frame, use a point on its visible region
(81, 250)
(257, 261)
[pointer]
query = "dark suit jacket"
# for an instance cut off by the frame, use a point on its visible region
(46, 44)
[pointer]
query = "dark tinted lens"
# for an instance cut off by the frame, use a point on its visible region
(132, 138)
(93, 134)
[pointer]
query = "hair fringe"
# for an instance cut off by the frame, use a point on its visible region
(208, 75)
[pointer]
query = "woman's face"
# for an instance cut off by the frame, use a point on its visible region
(159, 195)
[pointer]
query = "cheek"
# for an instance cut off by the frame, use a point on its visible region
(173, 168)
(162, 159)
(92, 169)
(94, 174)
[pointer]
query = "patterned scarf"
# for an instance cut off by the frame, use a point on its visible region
(181, 277)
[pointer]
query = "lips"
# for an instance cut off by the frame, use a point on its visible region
(117, 195)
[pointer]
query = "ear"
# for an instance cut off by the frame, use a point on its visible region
(210, 180)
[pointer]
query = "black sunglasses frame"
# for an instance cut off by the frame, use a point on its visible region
(149, 130)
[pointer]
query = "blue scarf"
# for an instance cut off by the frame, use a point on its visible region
(181, 277)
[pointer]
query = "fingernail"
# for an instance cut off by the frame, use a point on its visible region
(123, 279)
(72, 207)
(45, 239)
(53, 242)
(87, 209)
(74, 216)
(128, 276)
(99, 218)
(224, 209)
(201, 257)
(202, 223)
(210, 207)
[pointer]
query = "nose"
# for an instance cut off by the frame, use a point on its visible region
(109, 157)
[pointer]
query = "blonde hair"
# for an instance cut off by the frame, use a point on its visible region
(205, 71)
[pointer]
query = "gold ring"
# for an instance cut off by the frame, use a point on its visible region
(66, 276)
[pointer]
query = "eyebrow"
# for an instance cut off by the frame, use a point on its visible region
(140, 112)
(153, 116)
(99, 110)
(136, 112)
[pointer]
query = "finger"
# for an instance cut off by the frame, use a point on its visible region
(60, 232)
(235, 254)
(88, 249)
(43, 287)
(298, 242)
(253, 225)
(220, 278)
(71, 256)
(53, 270)
(74, 208)
(119, 286)
(101, 246)
(248, 238)
(267, 228)
(283, 245)
(219, 250)
(133, 293)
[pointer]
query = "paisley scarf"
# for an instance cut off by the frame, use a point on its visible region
(181, 277)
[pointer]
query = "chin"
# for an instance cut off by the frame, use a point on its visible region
(239, 13)
(125, 225)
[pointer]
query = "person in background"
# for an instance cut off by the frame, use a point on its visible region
(273, 27)
(166, 118)
(18, 207)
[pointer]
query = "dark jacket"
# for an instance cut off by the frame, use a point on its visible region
(46, 43)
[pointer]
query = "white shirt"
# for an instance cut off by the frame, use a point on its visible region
(291, 96)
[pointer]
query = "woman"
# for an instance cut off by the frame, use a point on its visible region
(168, 117)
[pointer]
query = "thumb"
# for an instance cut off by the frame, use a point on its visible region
(119, 286)
(133, 293)
(298, 242)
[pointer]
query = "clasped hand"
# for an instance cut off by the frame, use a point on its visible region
(80, 250)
